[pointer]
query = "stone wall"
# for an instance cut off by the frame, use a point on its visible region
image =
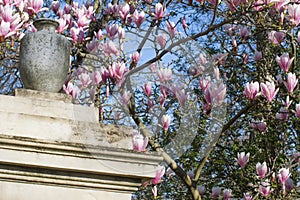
(53, 149)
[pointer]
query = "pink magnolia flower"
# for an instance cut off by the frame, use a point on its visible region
(265, 189)
(77, 35)
(276, 37)
(152, 67)
(203, 59)
(232, 4)
(138, 18)
(139, 141)
(67, 9)
(55, 6)
(125, 98)
(105, 74)
(62, 25)
(287, 102)
(171, 28)
(159, 174)
(283, 175)
(150, 103)
(261, 169)
(71, 90)
(296, 156)
(166, 120)
(204, 83)
(35, 6)
(215, 192)
(243, 159)
(217, 93)
(164, 91)
(208, 100)
(259, 125)
(98, 35)
(247, 196)
(16, 23)
(124, 10)
(179, 93)
(111, 30)
(280, 4)
(109, 9)
(147, 88)
(258, 5)
(201, 189)
(89, 11)
(4, 28)
(6, 13)
(121, 33)
(291, 82)
(117, 70)
(135, 57)
(82, 22)
(297, 111)
(294, 14)
(20, 4)
(164, 74)
(154, 191)
(268, 90)
(97, 77)
(181, 96)
(107, 91)
(31, 28)
(227, 194)
(244, 32)
(85, 79)
(252, 90)
(257, 55)
(162, 100)
(289, 184)
(184, 24)
(283, 114)
(75, 5)
(162, 40)
(284, 61)
(193, 70)
(69, 20)
(217, 73)
(159, 11)
(93, 45)
(110, 48)
(5, 2)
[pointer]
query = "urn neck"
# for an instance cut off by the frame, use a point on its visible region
(45, 24)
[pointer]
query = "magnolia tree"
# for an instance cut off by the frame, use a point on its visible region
(212, 86)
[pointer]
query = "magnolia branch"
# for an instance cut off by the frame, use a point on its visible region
(181, 41)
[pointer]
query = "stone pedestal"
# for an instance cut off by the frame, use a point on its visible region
(53, 149)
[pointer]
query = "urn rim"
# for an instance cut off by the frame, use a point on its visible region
(43, 21)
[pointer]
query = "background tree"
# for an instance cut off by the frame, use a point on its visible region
(212, 85)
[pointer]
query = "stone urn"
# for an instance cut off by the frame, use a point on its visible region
(44, 57)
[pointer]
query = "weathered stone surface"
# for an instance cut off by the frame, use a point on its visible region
(19, 191)
(34, 167)
(53, 149)
(52, 116)
(35, 94)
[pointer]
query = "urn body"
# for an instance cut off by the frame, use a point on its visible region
(44, 57)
